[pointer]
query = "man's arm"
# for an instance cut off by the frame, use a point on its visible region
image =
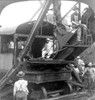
(14, 90)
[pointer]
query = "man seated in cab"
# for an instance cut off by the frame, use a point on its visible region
(47, 50)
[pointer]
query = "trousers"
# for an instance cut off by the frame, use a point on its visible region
(21, 95)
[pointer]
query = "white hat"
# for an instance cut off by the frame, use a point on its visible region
(82, 63)
(48, 39)
(20, 74)
(78, 57)
(72, 65)
(90, 64)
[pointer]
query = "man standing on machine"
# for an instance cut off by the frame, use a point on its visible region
(76, 24)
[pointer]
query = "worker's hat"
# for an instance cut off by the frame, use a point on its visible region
(83, 63)
(90, 64)
(78, 57)
(20, 74)
(48, 39)
(72, 65)
(75, 8)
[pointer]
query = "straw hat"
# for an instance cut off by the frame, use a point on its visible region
(20, 74)
(90, 64)
(78, 57)
(75, 8)
(83, 63)
(48, 39)
(72, 65)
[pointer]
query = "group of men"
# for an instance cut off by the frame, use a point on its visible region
(20, 90)
(76, 26)
(86, 71)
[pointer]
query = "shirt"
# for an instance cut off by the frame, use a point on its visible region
(74, 17)
(20, 85)
(48, 49)
(81, 62)
(77, 70)
(90, 73)
(81, 65)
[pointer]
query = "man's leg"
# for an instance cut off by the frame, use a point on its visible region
(43, 54)
(25, 97)
(17, 98)
(79, 34)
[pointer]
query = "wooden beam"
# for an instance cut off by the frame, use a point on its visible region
(49, 61)
(6, 91)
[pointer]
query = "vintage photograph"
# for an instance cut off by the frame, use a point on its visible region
(47, 50)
